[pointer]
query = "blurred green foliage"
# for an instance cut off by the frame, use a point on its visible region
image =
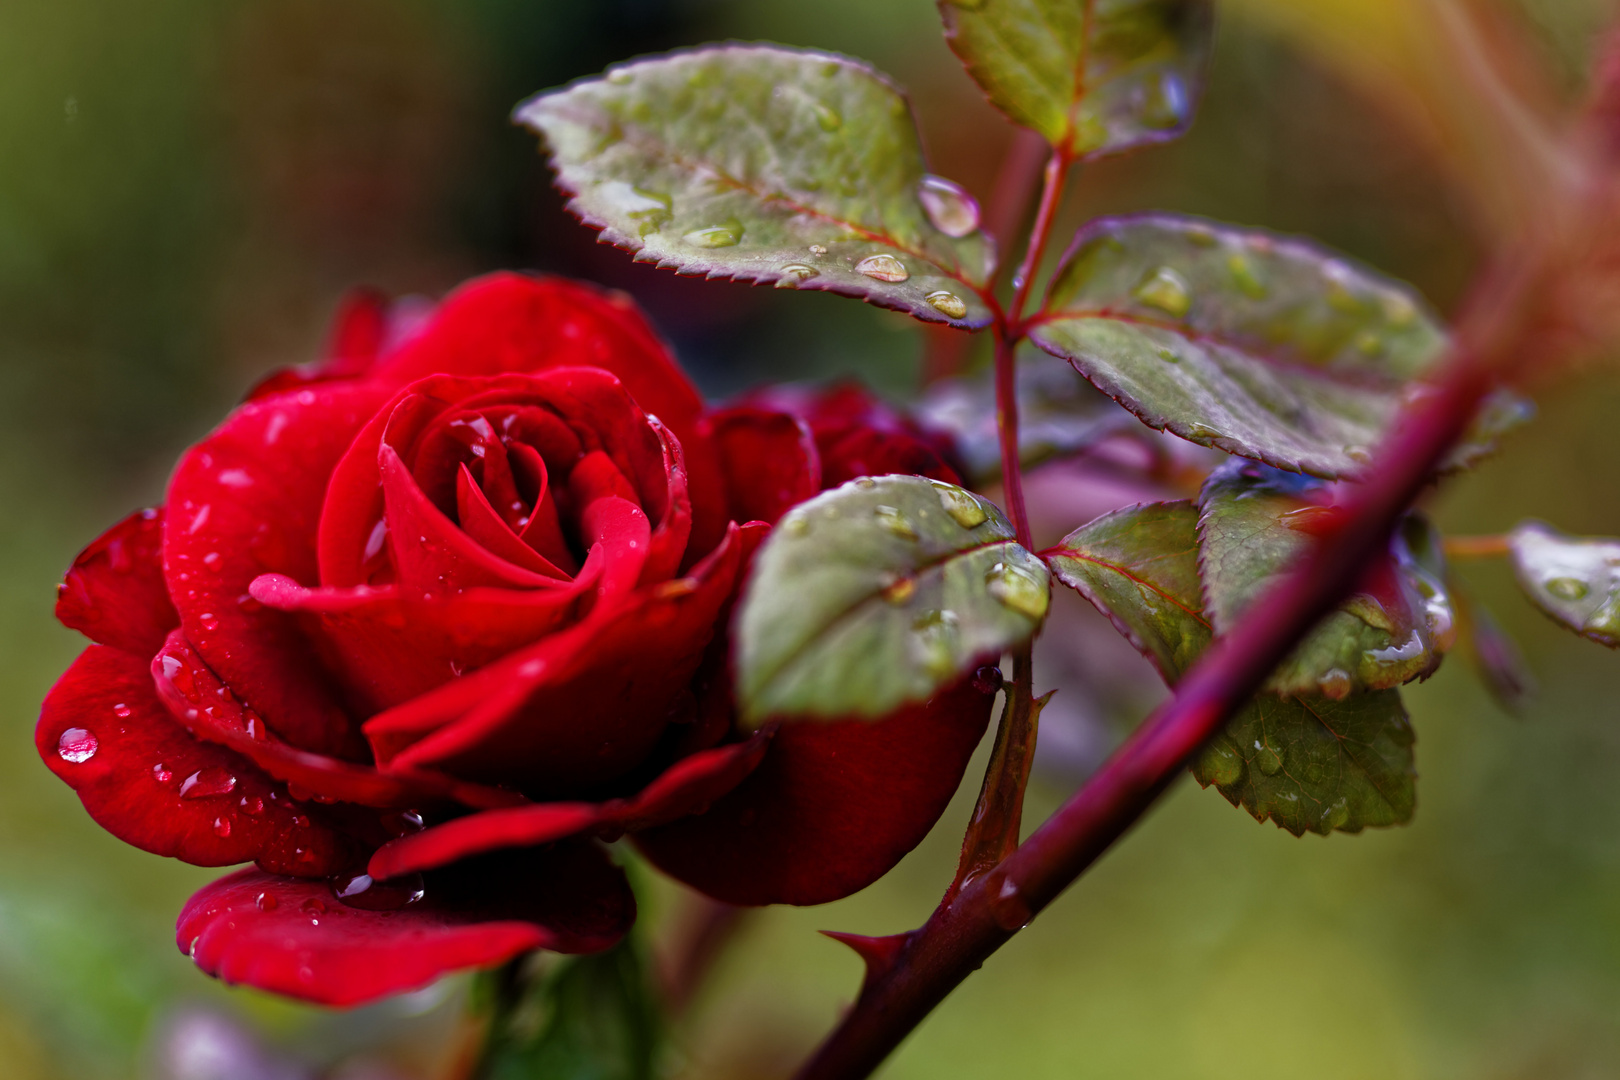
(189, 186)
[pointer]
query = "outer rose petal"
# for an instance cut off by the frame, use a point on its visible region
(577, 709)
(832, 807)
(244, 502)
(114, 592)
(294, 937)
(687, 787)
(769, 459)
(146, 781)
(196, 698)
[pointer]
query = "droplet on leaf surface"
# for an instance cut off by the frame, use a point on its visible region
(793, 273)
(895, 522)
(1568, 588)
(1018, 589)
(947, 303)
(883, 268)
(963, 508)
(949, 206)
(1166, 290)
(728, 235)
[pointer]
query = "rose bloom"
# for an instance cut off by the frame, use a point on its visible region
(421, 626)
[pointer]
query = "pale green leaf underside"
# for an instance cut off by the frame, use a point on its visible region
(763, 164)
(1093, 76)
(878, 594)
(1575, 580)
(1320, 764)
(1262, 346)
(1254, 524)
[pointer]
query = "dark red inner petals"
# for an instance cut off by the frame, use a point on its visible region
(769, 458)
(114, 593)
(299, 938)
(144, 779)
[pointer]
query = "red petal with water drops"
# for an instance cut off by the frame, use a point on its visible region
(114, 592)
(296, 938)
(149, 783)
(687, 787)
(577, 709)
(196, 698)
(387, 648)
(769, 459)
(244, 502)
(832, 807)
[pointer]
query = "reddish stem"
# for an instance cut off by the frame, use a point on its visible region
(1057, 173)
(1477, 547)
(986, 913)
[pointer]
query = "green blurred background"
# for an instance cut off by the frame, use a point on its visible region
(186, 188)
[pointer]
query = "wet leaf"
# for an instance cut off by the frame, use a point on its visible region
(1316, 765)
(1308, 763)
(1059, 413)
(590, 1018)
(1094, 78)
(1575, 580)
(1139, 566)
(1254, 523)
(1263, 346)
(770, 165)
(879, 593)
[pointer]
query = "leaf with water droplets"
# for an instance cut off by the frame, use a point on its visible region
(795, 168)
(1254, 523)
(1093, 78)
(1575, 580)
(878, 594)
(1309, 763)
(1314, 764)
(1283, 352)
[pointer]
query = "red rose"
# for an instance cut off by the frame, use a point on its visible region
(420, 625)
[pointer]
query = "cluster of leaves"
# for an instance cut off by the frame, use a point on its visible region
(804, 170)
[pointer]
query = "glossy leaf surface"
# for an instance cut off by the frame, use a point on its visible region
(1575, 580)
(1254, 524)
(770, 165)
(1308, 763)
(598, 1022)
(1262, 346)
(1093, 78)
(879, 593)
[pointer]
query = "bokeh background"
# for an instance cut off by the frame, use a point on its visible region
(186, 189)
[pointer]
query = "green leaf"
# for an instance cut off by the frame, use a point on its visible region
(1316, 765)
(876, 595)
(1059, 414)
(1263, 346)
(769, 165)
(1139, 566)
(1576, 580)
(1308, 763)
(1093, 76)
(1254, 524)
(591, 1018)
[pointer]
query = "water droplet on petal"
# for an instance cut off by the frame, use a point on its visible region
(160, 774)
(949, 206)
(267, 902)
(895, 522)
(1335, 683)
(252, 804)
(793, 273)
(222, 826)
(1016, 588)
(121, 710)
(314, 905)
(77, 745)
(1564, 588)
(1166, 290)
(883, 268)
(205, 782)
(947, 303)
(728, 235)
(360, 891)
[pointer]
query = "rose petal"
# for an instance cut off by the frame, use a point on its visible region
(244, 502)
(114, 592)
(577, 709)
(770, 461)
(296, 938)
(387, 648)
(149, 783)
(832, 807)
(195, 697)
(870, 452)
(687, 787)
